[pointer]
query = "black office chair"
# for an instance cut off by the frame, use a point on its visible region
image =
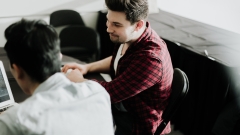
(62, 18)
(80, 42)
(65, 17)
(180, 86)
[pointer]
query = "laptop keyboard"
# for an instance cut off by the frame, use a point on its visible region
(4, 109)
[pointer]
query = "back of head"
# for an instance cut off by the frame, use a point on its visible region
(135, 10)
(34, 46)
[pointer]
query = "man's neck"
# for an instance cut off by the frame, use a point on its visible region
(137, 36)
(29, 86)
(33, 87)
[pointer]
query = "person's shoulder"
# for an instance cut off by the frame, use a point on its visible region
(8, 126)
(90, 87)
(9, 116)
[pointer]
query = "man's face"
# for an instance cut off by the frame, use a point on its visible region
(120, 30)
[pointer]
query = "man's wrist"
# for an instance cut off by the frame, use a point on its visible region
(88, 66)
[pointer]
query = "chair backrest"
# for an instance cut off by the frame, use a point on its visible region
(65, 17)
(180, 86)
(80, 42)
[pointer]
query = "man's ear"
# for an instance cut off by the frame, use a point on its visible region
(18, 71)
(139, 25)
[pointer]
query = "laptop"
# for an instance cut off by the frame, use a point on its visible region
(6, 97)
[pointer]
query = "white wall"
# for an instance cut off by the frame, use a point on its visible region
(219, 13)
(224, 14)
(13, 10)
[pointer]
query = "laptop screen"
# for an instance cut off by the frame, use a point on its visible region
(4, 96)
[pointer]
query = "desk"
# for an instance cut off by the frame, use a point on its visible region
(18, 94)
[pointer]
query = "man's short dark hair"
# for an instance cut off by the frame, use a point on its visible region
(34, 46)
(135, 10)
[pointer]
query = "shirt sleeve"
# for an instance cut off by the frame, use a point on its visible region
(139, 75)
(4, 130)
(8, 124)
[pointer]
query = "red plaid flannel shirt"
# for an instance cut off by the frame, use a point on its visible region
(142, 81)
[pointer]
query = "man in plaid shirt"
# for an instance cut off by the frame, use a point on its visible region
(140, 67)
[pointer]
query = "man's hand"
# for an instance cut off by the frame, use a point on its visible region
(75, 76)
(82, 68)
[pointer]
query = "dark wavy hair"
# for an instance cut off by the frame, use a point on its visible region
(34, 46)
(135, 10)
